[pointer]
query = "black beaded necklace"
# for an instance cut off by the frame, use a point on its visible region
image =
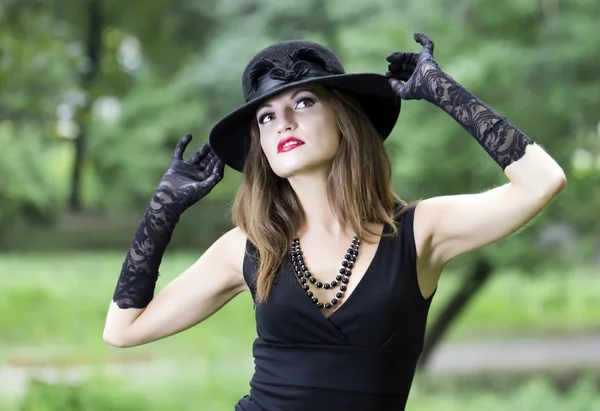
(341, 279)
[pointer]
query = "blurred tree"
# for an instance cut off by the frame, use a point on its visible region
(531, 61)
(471, 285)
(95, 25)
(170, 67)
(35, 74)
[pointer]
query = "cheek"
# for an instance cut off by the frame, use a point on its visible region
(333, 133)
(265, 150)
(265, 142)
(262, 144)
(269, 151)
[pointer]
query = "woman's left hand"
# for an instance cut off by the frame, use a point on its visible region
(415, 69)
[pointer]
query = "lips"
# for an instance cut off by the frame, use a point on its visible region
(292, 143)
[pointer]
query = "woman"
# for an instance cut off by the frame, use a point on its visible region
(341, 270)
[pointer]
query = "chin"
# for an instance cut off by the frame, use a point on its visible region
(291, 170)
(286, 172)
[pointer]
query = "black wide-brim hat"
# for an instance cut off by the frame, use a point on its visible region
(290, 64)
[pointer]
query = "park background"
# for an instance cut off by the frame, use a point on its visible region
(94, 95)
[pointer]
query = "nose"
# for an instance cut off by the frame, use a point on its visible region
(287, 122)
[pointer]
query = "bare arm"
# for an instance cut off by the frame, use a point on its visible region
(195, 295)
(136, 316)
(453, 225)
(446, 227)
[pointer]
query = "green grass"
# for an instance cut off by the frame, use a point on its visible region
(54, 305)
(219, 394)
(514, 304)
(533, 394)
(57, 303)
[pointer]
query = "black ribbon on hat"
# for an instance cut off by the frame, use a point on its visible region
(297, 71)
(279, 76)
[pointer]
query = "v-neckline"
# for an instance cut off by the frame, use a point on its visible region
(356, 288)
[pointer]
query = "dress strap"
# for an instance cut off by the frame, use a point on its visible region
(250, 267)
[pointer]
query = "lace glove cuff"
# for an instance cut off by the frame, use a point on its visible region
(139, 273)
(184, 183)
(502, 140)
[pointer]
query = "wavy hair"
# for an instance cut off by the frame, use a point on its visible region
(267, 209)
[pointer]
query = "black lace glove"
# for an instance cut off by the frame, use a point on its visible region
(503, 141)
(184, 183)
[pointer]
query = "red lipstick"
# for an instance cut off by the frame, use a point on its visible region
(288, 143)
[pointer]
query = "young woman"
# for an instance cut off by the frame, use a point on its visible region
(342, 271)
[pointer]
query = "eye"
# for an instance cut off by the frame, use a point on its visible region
(305, 102)
(264, 118)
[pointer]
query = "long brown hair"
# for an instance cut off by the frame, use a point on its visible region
(267, 209)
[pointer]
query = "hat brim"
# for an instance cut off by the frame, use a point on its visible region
(230, 137)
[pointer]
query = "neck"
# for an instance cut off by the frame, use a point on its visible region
(319, 217)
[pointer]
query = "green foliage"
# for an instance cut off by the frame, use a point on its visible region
(171, 67)
(45, 297)
(168, 68)
(512, 303)
(131, 156)
(105, 394)
(38, 296)
(27, 192)
(35, 74)
(533, 394)
(91, 397)
(91, 231)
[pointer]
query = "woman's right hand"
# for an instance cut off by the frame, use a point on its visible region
(187, 181)
(419, 71)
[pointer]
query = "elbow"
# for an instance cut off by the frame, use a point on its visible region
(545, 187)
(556, 184)
(549, 189)
(115, 339)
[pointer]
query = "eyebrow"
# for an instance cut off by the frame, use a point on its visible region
(291, 97)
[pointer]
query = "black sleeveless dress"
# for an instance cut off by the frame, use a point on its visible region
(361, 358)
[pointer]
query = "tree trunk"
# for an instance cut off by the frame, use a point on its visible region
(474, 283)
(90, 71)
